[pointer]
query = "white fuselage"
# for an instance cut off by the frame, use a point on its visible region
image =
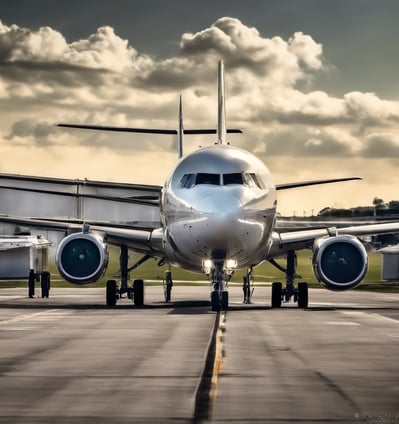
(219, 204)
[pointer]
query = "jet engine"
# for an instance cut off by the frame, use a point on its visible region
(82, 257)
(339, 263)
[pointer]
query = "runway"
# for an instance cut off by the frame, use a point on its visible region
(69, 359)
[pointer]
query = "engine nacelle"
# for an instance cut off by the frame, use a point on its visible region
(82, 258)
(339, 263)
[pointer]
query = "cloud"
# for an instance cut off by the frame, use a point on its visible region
(18, 44)
(102, 50)
(241, 46)
(368, 107)
(382, 145)
(103, 79)
(31, 132)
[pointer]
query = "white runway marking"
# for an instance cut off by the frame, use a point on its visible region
(346, 323)
(26, 317)
(4, 297)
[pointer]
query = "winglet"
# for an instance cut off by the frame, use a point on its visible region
(221, 128)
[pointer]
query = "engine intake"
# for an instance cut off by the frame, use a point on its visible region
(339, 263)
(82, 258)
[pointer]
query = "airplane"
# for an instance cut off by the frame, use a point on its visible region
(217, 213)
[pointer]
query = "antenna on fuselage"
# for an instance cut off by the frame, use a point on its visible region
(221, 128)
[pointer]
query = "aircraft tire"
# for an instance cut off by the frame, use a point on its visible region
(215, 301)
(138, 292)
(45, 284)
(225, 300)
(111, 295)
(276, 294)
(303, 296)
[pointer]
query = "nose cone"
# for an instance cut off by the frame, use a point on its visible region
(222, 206)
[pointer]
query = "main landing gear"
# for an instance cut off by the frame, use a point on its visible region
(167, 285)
(298, 294)
(247, 286)
(219, 294)
(115, 291)
(45, 283)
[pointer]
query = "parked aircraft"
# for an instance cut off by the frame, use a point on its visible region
(217, 213)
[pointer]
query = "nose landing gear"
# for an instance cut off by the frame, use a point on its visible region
(219, 294)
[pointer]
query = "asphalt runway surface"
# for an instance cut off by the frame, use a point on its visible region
(70, 359)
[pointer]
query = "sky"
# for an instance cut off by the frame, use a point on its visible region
(313, 84)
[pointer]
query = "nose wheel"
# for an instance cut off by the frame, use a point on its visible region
(219, 294)
(219, 300)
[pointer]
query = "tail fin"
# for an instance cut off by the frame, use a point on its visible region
(221, 128)
(180, 130)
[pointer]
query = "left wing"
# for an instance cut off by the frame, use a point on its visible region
(314, 182)
(304, 239)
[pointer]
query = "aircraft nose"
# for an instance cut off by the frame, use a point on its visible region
(222, 206)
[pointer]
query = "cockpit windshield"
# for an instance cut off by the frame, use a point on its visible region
(236, 178)
(202, 178)
(248, 179)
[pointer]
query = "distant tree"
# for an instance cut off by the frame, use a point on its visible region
(325, 212)
(378, 203)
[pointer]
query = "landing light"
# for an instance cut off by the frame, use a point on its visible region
(207, 266)
(231, 264)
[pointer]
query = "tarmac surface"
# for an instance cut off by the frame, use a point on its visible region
(70, 359)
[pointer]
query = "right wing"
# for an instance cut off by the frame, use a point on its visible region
(142, 240)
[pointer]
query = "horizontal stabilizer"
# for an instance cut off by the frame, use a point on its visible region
(144, 130)
(314, 182)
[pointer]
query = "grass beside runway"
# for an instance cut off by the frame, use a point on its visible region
(263, 274)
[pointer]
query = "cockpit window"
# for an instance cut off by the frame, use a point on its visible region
(203, 178)
(253, 180)
(187, 181)
(236, 178)
(241, 178)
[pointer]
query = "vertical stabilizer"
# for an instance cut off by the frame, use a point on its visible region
(180, 131)
(221, 130)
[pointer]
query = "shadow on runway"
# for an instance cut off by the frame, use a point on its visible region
(181, 307)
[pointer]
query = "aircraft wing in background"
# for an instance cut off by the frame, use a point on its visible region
(76, 200)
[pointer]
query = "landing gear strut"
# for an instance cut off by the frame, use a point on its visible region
(44, 278)
(167, 285)
(219, 294)
(135, 292)
(299, 294)
(247, 286)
